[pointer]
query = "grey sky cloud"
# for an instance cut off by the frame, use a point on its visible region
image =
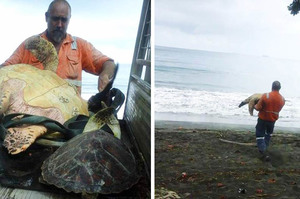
(111, 26)
(241, 26)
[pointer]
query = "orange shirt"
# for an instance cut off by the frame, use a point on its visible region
(269, 106)
(75, 55)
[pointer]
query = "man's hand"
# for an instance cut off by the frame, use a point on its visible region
(103, 80)
(106, 75)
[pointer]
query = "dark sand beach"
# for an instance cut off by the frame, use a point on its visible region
(195, 160)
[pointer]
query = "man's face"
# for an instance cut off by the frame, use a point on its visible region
(58, 20)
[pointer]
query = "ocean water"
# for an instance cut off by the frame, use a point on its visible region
(90, 84)
(202, 86)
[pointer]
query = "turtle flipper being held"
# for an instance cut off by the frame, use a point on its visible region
(110, 96)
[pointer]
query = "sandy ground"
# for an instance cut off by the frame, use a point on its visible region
(192, 161)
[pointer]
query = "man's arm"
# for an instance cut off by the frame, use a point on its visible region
(16, 57)
(95, 62)
(106, 74)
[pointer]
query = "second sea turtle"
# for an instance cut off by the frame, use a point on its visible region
(94, 162)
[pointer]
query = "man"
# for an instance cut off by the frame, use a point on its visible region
(74, 54)
(269, 106)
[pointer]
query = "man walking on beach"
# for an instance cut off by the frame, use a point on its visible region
(269, 106)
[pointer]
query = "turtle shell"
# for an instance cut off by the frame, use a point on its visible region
(39, 92)
(93, 162)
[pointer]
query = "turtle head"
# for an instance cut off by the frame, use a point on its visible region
(44, 51)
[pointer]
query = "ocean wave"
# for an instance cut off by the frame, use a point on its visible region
(215, 104)
(176, 69)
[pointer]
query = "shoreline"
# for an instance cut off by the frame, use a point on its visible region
(218, 126)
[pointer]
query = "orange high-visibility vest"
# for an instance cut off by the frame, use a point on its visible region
(269, 106)
(75, 55)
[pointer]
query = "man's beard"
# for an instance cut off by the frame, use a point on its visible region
(58, 36)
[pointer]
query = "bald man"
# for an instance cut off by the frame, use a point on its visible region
(74, 53)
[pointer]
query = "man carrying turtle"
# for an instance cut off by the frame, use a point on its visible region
(269, 106)
(74, 53)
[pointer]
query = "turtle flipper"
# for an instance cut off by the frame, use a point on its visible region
(102, 117)
(94, 103)
(18, 139)
(251, 106)
(114, 125)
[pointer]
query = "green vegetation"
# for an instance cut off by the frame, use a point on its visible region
(294, 7)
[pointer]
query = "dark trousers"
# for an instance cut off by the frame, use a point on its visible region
(264, 130)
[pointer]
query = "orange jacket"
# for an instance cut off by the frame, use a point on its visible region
(269, 106)
(75, 55)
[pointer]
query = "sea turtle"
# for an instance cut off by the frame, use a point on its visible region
(93, 162)
(27, 89)
(251, 101)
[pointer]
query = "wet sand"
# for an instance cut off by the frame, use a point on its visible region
(196, 161)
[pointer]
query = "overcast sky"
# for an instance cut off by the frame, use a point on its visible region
(111, 26)
(253, 27)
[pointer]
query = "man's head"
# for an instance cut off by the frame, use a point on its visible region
(57, 18)
(276, 86)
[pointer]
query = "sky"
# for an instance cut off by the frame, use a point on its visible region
(251, 27)
(111, 26)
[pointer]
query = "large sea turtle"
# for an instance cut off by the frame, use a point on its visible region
(93, 162)
(27, 89)
(251, 101)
